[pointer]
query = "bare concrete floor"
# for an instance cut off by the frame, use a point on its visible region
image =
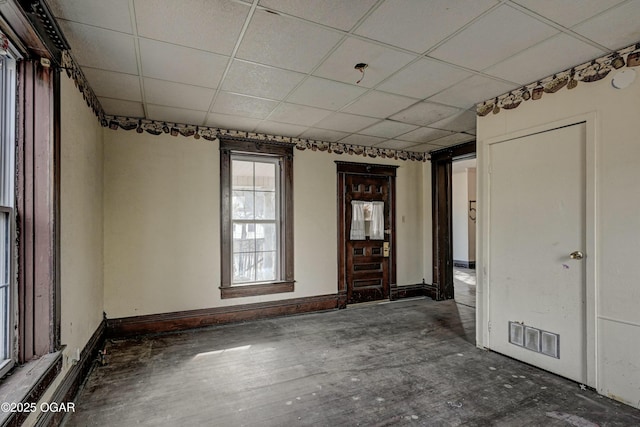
(410, 362)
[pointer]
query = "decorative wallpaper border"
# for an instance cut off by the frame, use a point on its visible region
(74, 72)
(212, 133)
(588, 72)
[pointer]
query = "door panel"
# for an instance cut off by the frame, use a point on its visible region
(366, 266)
(537, 218)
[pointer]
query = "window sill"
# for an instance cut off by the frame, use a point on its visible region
(27, 383)
(240, 291)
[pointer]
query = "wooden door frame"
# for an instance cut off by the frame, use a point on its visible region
(442, 216)
(366, 169)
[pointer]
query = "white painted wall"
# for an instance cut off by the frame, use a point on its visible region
(460, 221)
(162, 224)
(617, 246)
(471, 224)
(81, 212)
(463, 188)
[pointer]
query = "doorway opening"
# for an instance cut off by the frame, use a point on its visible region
(463, 206)
(442, 214)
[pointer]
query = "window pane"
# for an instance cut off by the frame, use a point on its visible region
(242, 206)
(265, 176)
(265, 205)
(244, 267)
(244, 238)
(266, 237)
(266, 266)
(241, 175)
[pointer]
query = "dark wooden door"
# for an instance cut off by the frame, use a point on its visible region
(367, 270)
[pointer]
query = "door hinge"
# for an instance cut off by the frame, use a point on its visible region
(489, 325)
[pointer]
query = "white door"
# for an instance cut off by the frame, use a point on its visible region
(537, 291)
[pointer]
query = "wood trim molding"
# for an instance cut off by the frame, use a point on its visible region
(407, 291)
(27, 384)
(254, 290)
(182, 320)
(71, 383)
(36, 212)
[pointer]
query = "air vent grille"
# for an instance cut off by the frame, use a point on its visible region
(534, 339)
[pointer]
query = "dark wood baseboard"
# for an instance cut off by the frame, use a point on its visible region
(465, 264)
(182, 320)
(406, 291)
(71, 383)
(431, 290)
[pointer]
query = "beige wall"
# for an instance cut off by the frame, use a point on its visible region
(617, 223)
(162, 224)
(81, 220)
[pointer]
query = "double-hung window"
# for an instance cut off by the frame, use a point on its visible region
(257, 223)
(7, 205)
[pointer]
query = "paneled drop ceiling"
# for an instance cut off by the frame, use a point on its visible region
(286, 67)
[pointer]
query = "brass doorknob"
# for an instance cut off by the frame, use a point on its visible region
(576, 255)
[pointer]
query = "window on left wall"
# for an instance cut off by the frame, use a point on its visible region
(7, 209)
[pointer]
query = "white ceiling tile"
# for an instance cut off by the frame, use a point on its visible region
(424, 134)
(418, 25)
(99, 48)
(496, 36)
(211, 25)
(568, 12)
(119, 107)
(286, 42)
(171, 94)
(456, 138)
(382, 62)
(225, 121)
(472, 91)
(181, 64)
(322, 93)
(395, 144)
(379, 104)
(239, 105)
(356, 139)
(114, 85)
(257, 80)
(298, 114)
(388, 129)
(551, 56)
(413, 80)
(112, 15)
(280, 129)
(459, 123)
(323, 135)
(175, 115)
(616, 28)
(346, 122)
(425, 113)
(333, 13)
(424, 148)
